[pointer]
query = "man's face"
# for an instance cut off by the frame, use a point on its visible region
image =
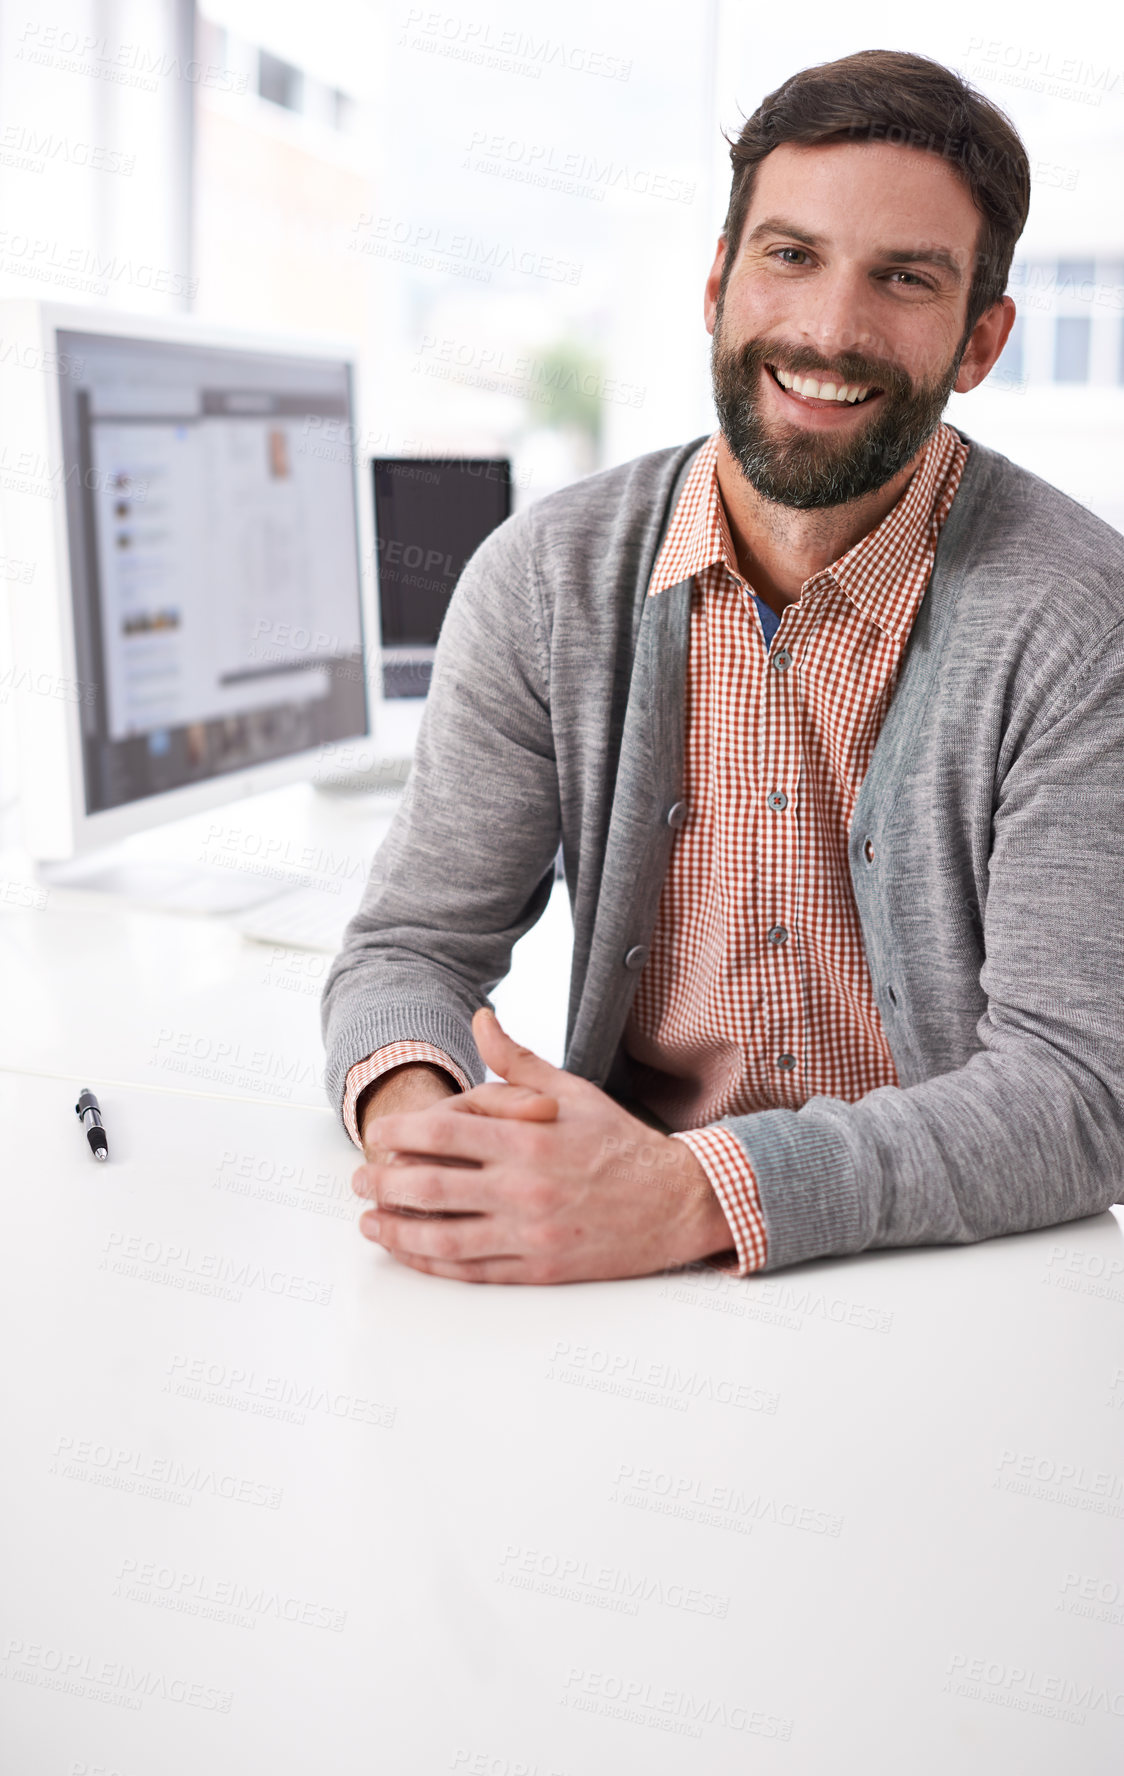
(849, 311)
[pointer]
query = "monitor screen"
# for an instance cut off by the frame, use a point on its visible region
(431, 514)
(214, 561)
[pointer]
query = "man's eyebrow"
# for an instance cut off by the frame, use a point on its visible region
(938, 256)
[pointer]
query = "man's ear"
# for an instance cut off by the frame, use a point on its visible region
(714, 280)
(989, 336)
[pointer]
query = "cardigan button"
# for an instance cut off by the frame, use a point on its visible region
(868, 850)
(677, 814)
(636, 957)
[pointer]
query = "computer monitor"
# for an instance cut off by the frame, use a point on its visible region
(197, 597)
(431, 514)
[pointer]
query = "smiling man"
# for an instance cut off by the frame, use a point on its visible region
(827, 711)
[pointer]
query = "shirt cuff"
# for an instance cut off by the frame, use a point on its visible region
(732, 1179)
(392, 1054)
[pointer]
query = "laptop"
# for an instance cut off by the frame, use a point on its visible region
(431, 514)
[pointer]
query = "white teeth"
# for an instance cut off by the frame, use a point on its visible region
(826, 391)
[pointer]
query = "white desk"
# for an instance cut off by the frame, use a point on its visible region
(872, 1504)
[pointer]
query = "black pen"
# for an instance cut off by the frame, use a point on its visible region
(87, 1109)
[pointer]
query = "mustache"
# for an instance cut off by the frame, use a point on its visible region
(751, 356)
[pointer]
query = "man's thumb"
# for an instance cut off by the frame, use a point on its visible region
(513, 1062)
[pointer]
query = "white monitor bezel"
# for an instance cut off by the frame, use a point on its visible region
(55, 823)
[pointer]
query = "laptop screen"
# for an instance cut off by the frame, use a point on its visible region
(431, 514)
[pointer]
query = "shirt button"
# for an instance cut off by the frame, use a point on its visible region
(868, 850)
(786, 1061)
(778, 800)
(782, 660)
(636, 957)
(777, 935)
(677, 814)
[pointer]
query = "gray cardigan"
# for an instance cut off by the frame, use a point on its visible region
(986, 852)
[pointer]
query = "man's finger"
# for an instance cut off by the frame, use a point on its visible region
(405, 1156)
(453, 1241)
(476, 1270)
(513, 1062)
(446, 1134)
(386, 1156)
(435, 1189)
(520, 1103)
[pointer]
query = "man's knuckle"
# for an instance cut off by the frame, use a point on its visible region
(537, 1143)
(445, 1244)
(538, 1196)
(411, 1259)
(548, 1238)
(413, 1191)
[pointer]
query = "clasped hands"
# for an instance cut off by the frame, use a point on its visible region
(536, 1177)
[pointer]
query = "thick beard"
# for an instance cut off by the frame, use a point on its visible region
(809, 469)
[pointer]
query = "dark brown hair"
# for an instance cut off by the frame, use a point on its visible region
(887, 95)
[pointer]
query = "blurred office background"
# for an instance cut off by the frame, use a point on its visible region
(511, 208)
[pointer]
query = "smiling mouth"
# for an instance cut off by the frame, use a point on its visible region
(854, 394)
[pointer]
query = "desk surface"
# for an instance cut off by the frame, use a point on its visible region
(186, 1003)
(273, 1503)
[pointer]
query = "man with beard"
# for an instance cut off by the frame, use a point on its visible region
(828, 713)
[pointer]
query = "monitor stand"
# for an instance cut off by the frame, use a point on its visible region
(229, 859)
(384, 765)
(165, 884)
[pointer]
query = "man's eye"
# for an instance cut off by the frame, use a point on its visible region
(915, 283)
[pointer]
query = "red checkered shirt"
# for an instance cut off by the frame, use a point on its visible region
(756, 993)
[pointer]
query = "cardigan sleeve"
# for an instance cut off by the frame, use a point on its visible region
(1029, 1132)
(467, 866)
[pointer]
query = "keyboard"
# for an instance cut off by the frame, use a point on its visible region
(309, 919)
(406, 678)
(304, 919)
(380, 776)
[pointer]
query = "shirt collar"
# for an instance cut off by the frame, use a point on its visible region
(883, 574)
